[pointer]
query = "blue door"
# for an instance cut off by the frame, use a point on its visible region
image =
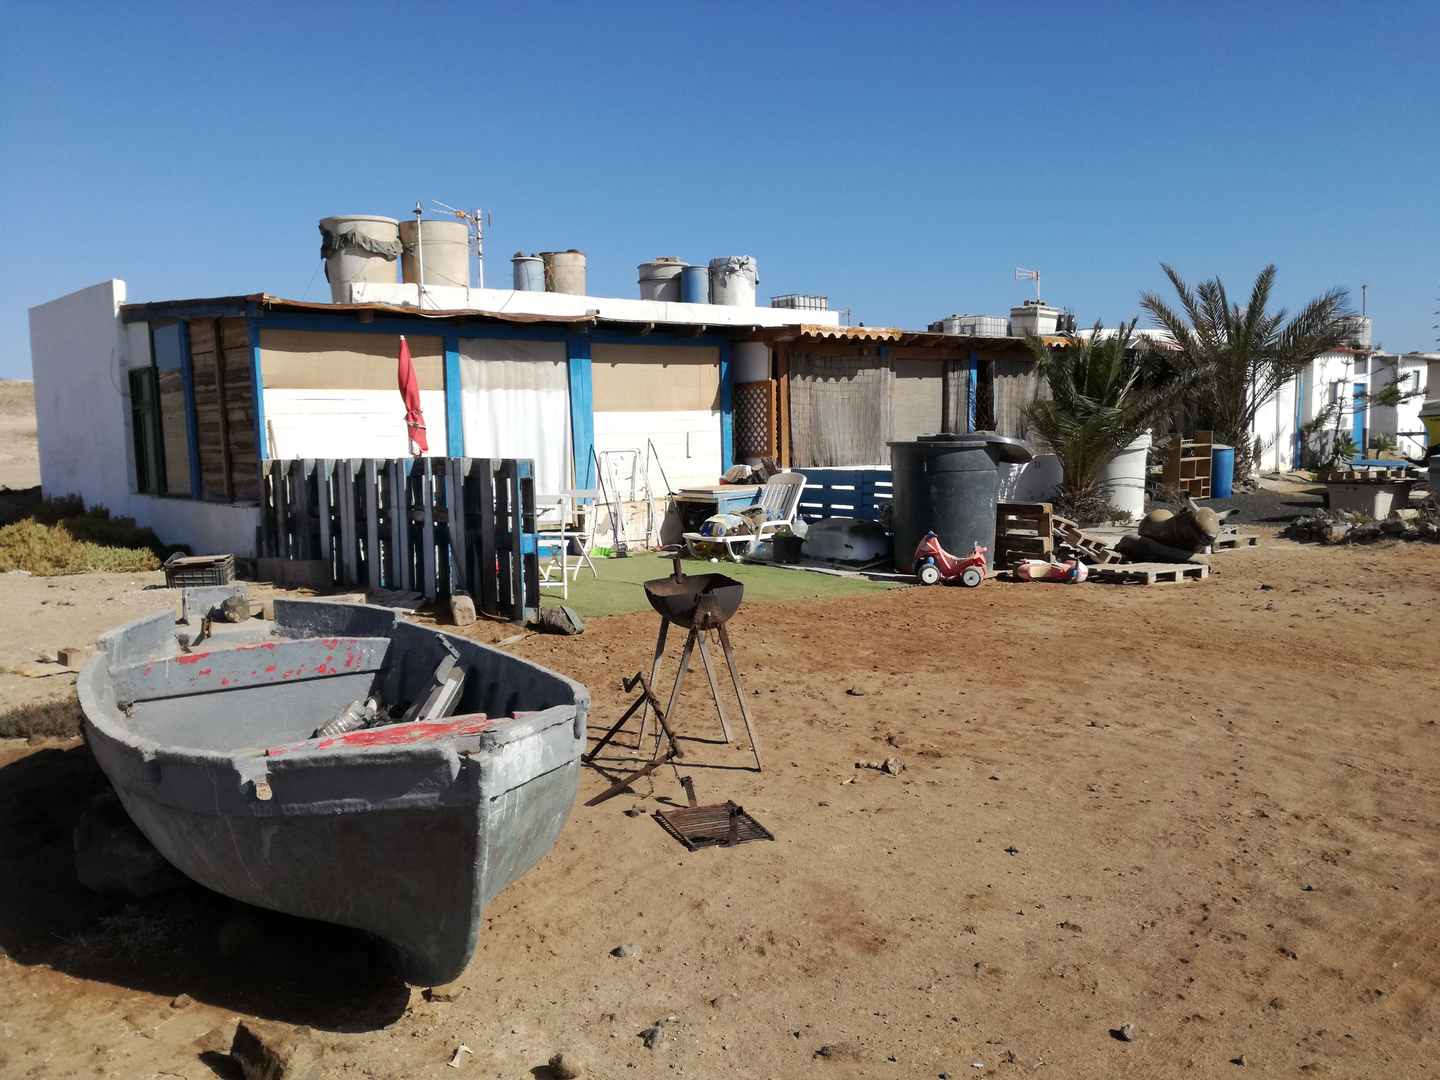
(1358, 432)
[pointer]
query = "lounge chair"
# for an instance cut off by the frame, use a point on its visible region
(780, 500)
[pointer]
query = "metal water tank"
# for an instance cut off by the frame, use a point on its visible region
(732, 281)
(564, 272)
(947, 484)
(660, 280)
(695, 285)
(358, 248)
(444, 251)
(529, 272)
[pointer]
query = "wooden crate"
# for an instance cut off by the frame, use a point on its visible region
(1149, 573)
(1022, 531)
(1232, 542)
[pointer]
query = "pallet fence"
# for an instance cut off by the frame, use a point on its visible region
(428, 525)
(853, 493)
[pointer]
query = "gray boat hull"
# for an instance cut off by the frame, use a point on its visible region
(407, 841)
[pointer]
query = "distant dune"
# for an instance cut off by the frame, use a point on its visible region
(19, 448)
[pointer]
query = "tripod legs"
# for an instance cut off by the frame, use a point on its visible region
(739, 694)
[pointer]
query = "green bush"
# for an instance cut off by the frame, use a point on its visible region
(61, 537)
(59, 719)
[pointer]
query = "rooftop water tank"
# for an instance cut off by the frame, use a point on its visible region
(660, 280)
(529, 272)
(732, 281)
(444, 250)
(564, 272)
(358, 248)
(1033, 317)
(695, 285)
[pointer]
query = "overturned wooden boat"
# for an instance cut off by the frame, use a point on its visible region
(405, 830)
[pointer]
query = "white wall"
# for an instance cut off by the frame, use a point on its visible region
(206, 528)
(78, 352)
(687, 443)
(349, 423)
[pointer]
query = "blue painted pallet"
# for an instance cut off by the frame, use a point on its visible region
(850, 493)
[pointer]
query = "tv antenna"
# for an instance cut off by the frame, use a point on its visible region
(1029, 275)
(473, 220)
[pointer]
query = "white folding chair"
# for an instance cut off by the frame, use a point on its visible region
(780, 499)
(552, 541)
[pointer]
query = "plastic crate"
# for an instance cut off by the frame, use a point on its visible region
(190, 571)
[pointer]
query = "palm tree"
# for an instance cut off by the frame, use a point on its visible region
(1105, 392)
(1246, 354)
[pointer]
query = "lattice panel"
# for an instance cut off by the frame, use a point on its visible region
(753, 412)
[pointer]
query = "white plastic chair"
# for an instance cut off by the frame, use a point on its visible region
(552, 540)
(780, 498)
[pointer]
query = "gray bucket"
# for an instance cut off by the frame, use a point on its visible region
(358, 248)
(660, 280)
(444, 250)
(529, 271)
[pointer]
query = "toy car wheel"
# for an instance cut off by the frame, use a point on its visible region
(971, 577)
(928, 574)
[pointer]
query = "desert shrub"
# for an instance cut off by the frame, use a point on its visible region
(59, 719)
(61, 537)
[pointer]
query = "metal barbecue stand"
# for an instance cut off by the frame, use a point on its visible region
(701, 603)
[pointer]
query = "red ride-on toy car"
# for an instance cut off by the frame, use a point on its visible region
(933, 564)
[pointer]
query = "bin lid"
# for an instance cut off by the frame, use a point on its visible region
(1001, 447)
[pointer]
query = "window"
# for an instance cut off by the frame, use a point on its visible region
(1362, 366)
(160, 415)
(145, 430)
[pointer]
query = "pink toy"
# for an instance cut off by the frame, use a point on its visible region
(1072, 573)
(933, 563)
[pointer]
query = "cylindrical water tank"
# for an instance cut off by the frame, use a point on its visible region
(529, 272)
(444, 249)
(948, 485)
(564, 272)
(358, 248)
(660, 280)
(733, 280)
(1123, 480)
(695, 285)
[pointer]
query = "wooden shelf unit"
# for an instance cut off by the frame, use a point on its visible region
(1188, 464)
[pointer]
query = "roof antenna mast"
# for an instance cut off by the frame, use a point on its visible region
(1029, 275)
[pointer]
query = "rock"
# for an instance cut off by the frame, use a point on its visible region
(233, 609)
(462, 609)
(837, 1052)
(275, 1052)
(238, 936)
(1012, 850)
(1407, 514)
(707, 967)
(217, 1040)
(1127, 1032)
(183, 1001)
(855, 691)
(1073, 927)
(449, 992)
(627, 950)
(1238, 1060)
(557, 620)
(894, 766)
(653, 1036)
(113, 856)
(1336, 534)
(1393, 527)
(565, 1066)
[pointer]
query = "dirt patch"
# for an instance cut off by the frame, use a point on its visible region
(19, 441)
(1206, 810)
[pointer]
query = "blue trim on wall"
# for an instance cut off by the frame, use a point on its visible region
(454, 415)
(582, 409)
(970, 387)
(727, 435)
(257, 389)
(192, 433)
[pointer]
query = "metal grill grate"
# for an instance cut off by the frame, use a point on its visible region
(721, 825)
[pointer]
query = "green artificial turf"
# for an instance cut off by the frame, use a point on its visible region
(618, 589)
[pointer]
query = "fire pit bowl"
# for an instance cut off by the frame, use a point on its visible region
(681, 601)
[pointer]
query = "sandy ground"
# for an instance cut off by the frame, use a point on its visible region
(19, 451)
(1221, 800)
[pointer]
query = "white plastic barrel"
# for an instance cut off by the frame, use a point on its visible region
(350, 263)
(444, 248)
(1124, 478)
(660, 280)
(732, 281)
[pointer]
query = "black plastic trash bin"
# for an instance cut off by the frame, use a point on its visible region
(947, 484)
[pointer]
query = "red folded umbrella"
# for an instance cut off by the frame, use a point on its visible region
(410, 392)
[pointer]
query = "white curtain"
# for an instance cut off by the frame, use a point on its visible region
(515, 402)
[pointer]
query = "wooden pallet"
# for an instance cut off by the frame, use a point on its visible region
(1149, 573)
(1232, 542)
(1092, 549)
(1369, 475)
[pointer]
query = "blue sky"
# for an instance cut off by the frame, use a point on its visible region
(902, 159)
